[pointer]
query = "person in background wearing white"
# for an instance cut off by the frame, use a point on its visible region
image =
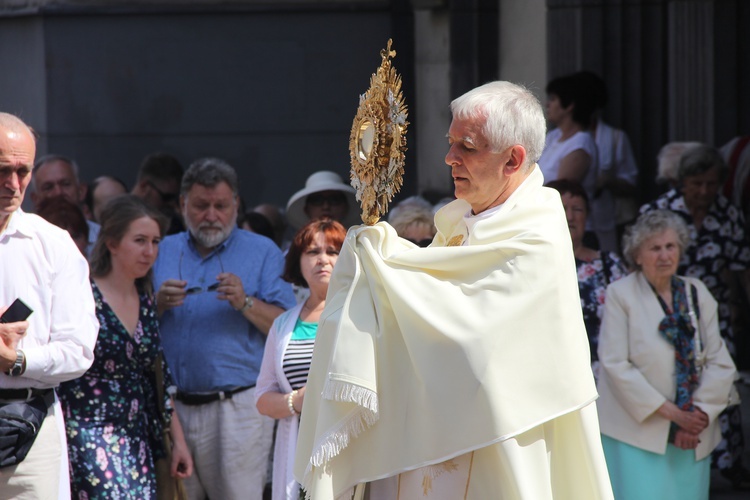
(570, 151)
(616, 205)
(325, 195)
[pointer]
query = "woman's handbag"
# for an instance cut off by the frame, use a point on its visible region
(20, 422)
(700, 353)
(167, 487)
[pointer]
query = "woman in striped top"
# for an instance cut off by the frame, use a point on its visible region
(289, 346)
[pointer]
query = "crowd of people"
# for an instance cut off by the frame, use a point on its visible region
(209, 314)
(692, 174)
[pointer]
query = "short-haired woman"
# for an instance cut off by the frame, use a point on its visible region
(569, 150)
(412, 219)
(665, 371)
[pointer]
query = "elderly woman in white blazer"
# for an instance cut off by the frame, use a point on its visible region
(283, 373)
(657, 406)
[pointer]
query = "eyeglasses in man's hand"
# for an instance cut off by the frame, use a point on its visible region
(192, 290)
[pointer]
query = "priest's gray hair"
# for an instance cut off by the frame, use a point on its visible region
(511, 113)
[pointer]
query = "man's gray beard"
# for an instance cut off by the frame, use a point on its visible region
(214, 238)
(210, 240)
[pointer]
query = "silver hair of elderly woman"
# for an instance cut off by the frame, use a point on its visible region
(402, 211)
(651, 224)
(700, 159)
(668, 161)
(402, 217)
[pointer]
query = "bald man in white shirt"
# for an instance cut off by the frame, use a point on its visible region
(39, 264)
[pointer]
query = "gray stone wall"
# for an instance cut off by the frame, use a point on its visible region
(272, 91)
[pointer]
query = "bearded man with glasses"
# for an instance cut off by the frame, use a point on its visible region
(219, 290)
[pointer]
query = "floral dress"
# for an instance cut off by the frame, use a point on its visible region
(720, 245)
(593, 278)
(112, 420)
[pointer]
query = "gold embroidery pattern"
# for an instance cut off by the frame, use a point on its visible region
(468, 479)
(435, 471)
(455, 241)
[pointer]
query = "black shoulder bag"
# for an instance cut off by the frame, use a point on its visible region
(20, 422)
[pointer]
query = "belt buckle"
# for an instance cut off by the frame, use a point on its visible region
(29, 394)
(222, 396)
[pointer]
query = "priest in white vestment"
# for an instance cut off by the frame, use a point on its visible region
(461, 370)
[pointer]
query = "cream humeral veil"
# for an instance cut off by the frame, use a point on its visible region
(423, 354)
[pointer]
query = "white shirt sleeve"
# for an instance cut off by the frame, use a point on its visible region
(42, 266)
(627, 170)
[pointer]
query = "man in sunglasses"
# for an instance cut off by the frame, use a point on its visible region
(218, 291)
(158, 184)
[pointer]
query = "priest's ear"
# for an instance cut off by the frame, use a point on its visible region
(516, 159)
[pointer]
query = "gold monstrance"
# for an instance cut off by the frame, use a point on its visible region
(378, 141)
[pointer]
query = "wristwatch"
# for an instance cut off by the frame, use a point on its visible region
(17, 369)
(248, 304)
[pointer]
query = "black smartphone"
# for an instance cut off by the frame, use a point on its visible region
(18, 311)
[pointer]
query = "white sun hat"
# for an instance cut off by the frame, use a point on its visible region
(323, 180)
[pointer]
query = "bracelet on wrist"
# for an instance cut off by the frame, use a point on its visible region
(290, 402)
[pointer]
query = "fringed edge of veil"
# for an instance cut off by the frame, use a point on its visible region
(362, 417)
(346, 392)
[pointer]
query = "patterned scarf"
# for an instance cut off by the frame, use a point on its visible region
(678, 330)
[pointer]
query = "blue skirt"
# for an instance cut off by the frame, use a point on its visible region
(638, 474)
